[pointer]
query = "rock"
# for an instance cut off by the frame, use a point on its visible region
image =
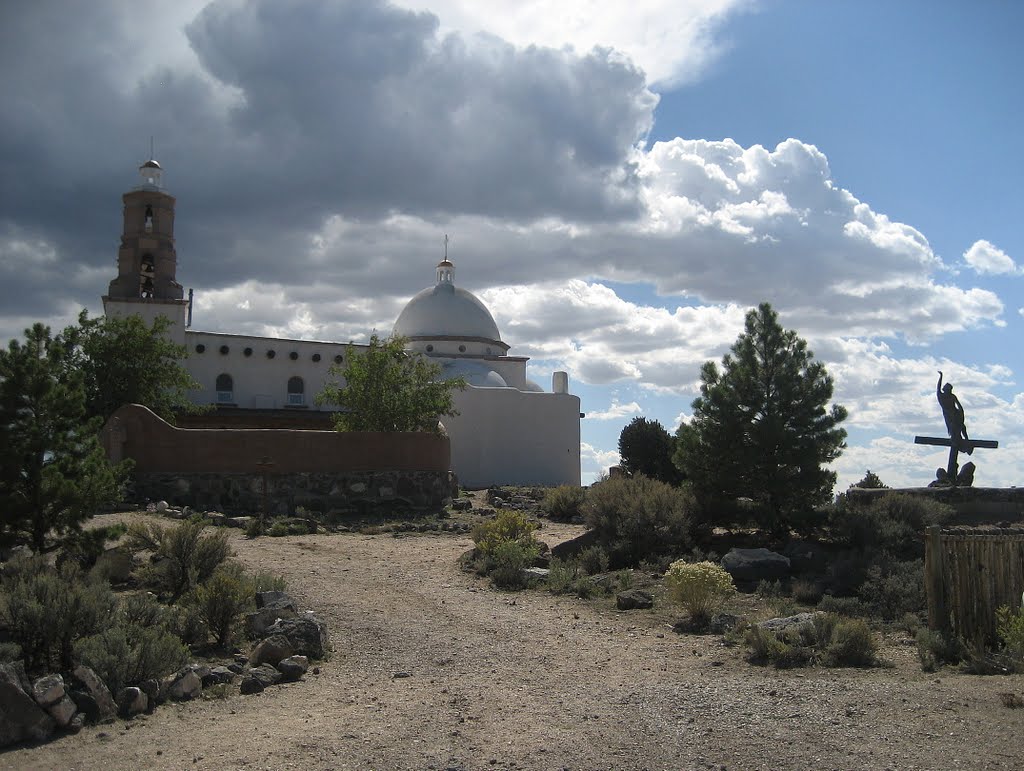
(272, 650)
(276, 599)
(20, 717)
(161, 506)
(752, 565)
(258, 678)
(250, 685)
(632, 599)
(151, 688)
(202, 671)
(461, 504)
(236, 667)
(184, 685)
(63, 711)
(86, 705)
(48, 690)
(293, 667)
(535, 572)
(574, 546)
(785, 622)
(258, 623)
(105, 707)
(307, 634)
(76, 723)
(218, 676)
(116, 564)
(131, 701)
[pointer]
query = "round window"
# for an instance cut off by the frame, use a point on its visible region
(224, 349)
(430, 348)
(293, 355)
(247, 351)
(316, 357)
(462, 349)
(338, 359)
(271, 353)
(200, 348)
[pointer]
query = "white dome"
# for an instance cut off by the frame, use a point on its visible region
(446, 310)
(476, 373)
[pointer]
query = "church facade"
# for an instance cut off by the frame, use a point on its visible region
(509, 430)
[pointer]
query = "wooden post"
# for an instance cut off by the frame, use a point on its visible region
(934, 567)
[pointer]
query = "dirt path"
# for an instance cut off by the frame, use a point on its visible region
(434, 670)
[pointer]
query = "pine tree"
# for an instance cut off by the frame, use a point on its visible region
(53, 471)
(645, 447)
(762, 427)
(387, 388)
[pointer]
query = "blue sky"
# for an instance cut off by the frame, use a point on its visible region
(620, 181)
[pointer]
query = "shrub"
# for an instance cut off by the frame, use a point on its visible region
(185, 555)
(700, 587)
(851, 644)
(567, 577)
(593, 560)
(279, 529)
(806, 592)
(508, 560)
(935, 649)
(893, 523)
(895, 589)
(842, 606)
(506, 526)
(828, 640)
(45, 610)
(769, 590)
(127, 654)
(142, 610)
(1010, 627)
(84, 547)
(265, 581)
(222, 599)
(564, 502)
(639, 519)
(254, 528)
(185, 623)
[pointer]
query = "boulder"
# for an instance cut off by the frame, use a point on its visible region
(753, 565)
(95, 688)
(572, 547)
(20, 717)
(116, 564)
(632, 599)
(250, 685)
(151, 688)
(15, 672)
(271, 650)
(536, 573)
(184, 685)
(293, 667)
(307, 634)
(259, 622)
(786, 622)
(48, 690)
(132, 701)
(62, 711)
(218, 676)
(258, 678)
(276, 599)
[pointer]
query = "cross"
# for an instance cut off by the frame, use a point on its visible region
(955, 448)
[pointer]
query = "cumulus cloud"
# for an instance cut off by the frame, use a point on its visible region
(594, 461)
(988, 259)
(616, 411)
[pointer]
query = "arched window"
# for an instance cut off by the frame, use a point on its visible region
(225, 388)
(147, 273)
(296, 391)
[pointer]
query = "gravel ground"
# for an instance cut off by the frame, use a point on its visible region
(434, 670)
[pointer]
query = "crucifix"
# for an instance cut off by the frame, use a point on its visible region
(958, 441)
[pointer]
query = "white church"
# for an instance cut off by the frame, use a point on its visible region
(509, 430)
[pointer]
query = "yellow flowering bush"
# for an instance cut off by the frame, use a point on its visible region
(700, 587)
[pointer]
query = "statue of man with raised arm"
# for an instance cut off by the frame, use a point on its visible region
(953, 414)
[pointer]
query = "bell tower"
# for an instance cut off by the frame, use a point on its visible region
(146, 262)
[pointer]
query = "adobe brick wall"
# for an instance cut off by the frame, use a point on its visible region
(135, 432)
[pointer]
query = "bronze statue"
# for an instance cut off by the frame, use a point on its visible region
(953, 414)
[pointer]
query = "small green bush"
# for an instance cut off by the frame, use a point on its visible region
(567, 577)
(806, 592)
(935, 649)
(851, 607)
(185, 555)
(593, 560)
(508, 560)
(893, 523)
(265, 581)
(894, 589)
(279, 529)
(221, 600)
(1010, 627)
(127, 654)
(142, 610)
(254, 528)
(564, 503)
(506, 526)
(639, 519)
(185, 623)
(700, 587)
(828, 640)
(769, 590)
(45, 610)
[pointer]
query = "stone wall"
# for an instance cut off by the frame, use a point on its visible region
(353, 491)
(225, 468)
(974, 505)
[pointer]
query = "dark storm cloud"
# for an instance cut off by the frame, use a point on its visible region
(287, 113)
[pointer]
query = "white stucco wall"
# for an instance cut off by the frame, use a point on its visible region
(506, 436)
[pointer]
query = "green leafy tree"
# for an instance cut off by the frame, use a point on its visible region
(871, 481)
(53, 472)
(762, 427)
(124, 360)
(645, 447)
(388, 388)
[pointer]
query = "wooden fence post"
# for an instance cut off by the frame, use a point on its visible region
(934, 567)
